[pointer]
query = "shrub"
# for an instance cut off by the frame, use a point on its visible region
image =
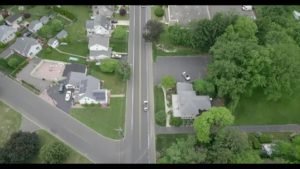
(27, 15)
(254, 142)
(54, 153)
(176, 121)
(108, 65)
(168, 82)
(265, 138)
(159, 11)
(160, 118)
(13, 62)
(204, 87)
(122, 12)
(2, 45)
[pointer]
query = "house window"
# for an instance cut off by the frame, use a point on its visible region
(37, 48)
(30, 54)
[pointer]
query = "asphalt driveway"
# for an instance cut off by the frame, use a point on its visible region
(195, 67)
(59, 98)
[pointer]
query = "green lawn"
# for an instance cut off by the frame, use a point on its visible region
(76, 47)
(46, 138)
(54, 55)
(111, 81)
(257, 110)
(276, 135)
(21, 63)
(119, 39)
(159, 101)
(164, 141)
(103, 120)
(10, 122)
(119, 17)
(37, 11)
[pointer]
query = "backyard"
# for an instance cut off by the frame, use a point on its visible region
(257, 110)
(46, 138)
(103, 120)
(52, 54)
(119, 39)
(111, 81)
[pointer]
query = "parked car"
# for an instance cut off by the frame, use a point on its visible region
(68, 86)
(145, 105)
(186, 76)
(117, 56)
(27, 34)
(114, 21)
(68, 95)
(247, 7)
(61, 88)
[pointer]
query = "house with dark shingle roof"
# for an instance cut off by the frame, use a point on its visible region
(14, 19)
(7, 33)
(26, 46)
(186, 104)
(35, 25)
(99, 25)
(87, 89)
(74, 67)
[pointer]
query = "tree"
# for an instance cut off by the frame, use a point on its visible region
(20, 147)
(13, 62)
(153, 29)
(183, 151)
(176, 121)
(108, 65)
(179, 35)
(122, 11)
(247, 157)
(168, 82)
(27, 15)
(159, 11)
(289, 151)
(204, 87)
(123, 69)
(210, 122)
(56, 25)
(160, 118)
(54, 153)
(246, 28)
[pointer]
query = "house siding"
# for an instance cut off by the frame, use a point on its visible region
(33, 50)
(98, 48)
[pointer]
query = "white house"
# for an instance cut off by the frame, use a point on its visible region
(7, 33)
(27, 47)
(53, 42)
(14, 20)
(99, 47)
(102, 10)
(35, 25)
(100, 25)
(87, 89)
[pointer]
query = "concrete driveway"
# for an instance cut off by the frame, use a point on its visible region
(59, 98)
(195, 67)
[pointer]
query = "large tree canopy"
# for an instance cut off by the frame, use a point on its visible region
(210, 122)
(153, 29)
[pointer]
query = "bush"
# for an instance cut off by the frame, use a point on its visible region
(123, 69)
(159, 11)
(108, 65)
(13, 62)
(265, 138)
(179, 35)
(18, 34)
(254, 142)
(176, 121)
(2, 45)
(27, 15)
(204, 87)
(168, 82)
(122, 12)
(65, 13)
(54, 153)
(160, 118)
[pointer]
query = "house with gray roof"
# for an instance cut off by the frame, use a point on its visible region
(53, 42)
(102, 10)
(26, 46)
(44, 20)
(14, 19)
(35, 25)
(62, 34)
(99, 47)
(186, 104)
(7, 33)
(99, 25)
(87, 89)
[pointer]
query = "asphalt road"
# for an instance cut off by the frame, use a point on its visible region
(97, 148)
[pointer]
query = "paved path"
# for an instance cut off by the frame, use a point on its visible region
(117, 95)
(59, 51)
(245, 128)
(123, 22)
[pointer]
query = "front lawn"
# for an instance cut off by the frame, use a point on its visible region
(103, 120)
(46, 138)
(117, 16)
(119, 39)
(10, 122)
(159, 106)
(20, 64)
(257, 110)
(51, 54)
(111, 81)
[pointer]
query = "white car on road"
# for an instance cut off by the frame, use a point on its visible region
(68, 95)
(186, 76)
(145, 105)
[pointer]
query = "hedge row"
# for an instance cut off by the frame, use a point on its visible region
(65, 13)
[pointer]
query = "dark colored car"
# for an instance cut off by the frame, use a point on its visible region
(114, 21)
(61, 88)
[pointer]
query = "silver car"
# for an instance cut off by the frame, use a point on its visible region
(186, 76)
(145, 105)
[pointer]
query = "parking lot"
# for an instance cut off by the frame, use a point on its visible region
(183, 14)
(195, 67)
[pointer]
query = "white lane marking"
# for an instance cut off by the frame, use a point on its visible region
(132, 96)
(140, 76)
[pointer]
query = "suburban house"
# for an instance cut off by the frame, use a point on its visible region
(35, 25)
(44, 20)
(53, 42)
(186, 104)
(62, 34)
(87, 89)
(102, 10)
(74, 67)
(7, 33)
(14, 20)
(100, 25)
(99, 47)
(27, 47)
